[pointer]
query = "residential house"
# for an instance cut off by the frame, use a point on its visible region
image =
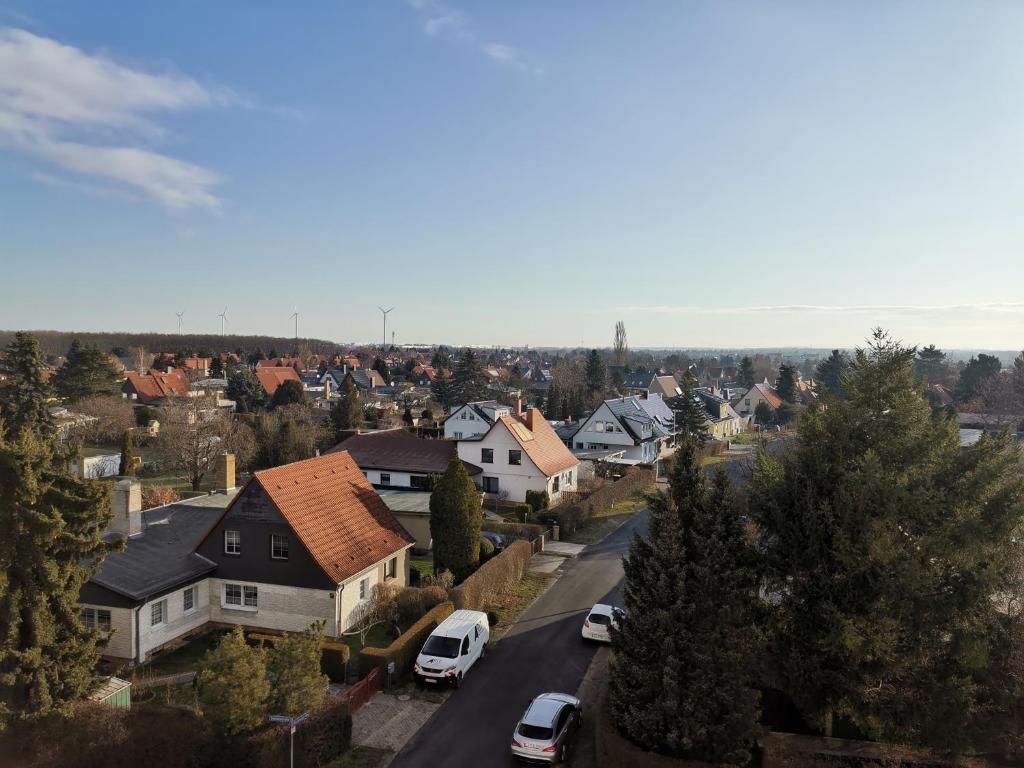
(154, 386)
(723, 420)
(647, 384)
(365, 380)
(472, 420)
(398, 459)
(282, 362)
(642, 427)
(273, 377)
(298, 543)
(759, 393)
(519, 453)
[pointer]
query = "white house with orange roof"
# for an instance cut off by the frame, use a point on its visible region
(520, 453)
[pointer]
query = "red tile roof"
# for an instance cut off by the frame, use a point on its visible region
(336, 513)
(539, 441)
(770, 394)
(272, 378)
(156, 385)
(280, 362)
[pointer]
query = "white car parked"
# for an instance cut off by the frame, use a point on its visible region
(601, 617)
(457, 643)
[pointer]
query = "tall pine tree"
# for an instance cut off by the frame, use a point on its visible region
(52, 525)
(886, 544)
(347, 413)
(468, 382)
(746, 372)
(595, 374)
(831, 370)
(87, 371)
(786, 385)
(682, 679)
(691, 416)
(24, 396)
(455, 519)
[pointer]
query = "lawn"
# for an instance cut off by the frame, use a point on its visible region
(422, 563)
(509, 607)
(603, 523)
(378, 637)
(710, 461)
(166, 695)
(184, 658)
(361, 757)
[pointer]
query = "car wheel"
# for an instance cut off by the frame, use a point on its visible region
(563, 753)
(458, 680)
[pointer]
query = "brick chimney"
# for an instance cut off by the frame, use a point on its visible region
(226, 472)
(127, 508)
(519, 406)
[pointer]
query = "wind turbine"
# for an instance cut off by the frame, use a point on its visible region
(180, 315)
(223, 319)
(385, 313)
(295, 315)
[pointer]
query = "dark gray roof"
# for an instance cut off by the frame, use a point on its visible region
(633, 416)
(565, 431)
(162, 556)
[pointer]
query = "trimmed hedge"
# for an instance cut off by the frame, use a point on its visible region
(538, 500)
(527, 531)
(493, 577)
(572, 516)
(334, 662)
(405, 648)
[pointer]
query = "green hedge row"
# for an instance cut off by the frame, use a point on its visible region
(527, 531)
(572, 516)
(493, 577)
(405, 648)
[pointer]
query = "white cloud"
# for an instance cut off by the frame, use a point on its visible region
(91, 116)
(440, 20)
(1009, 307)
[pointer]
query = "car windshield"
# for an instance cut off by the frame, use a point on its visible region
(599, 618)
(535, 732)
(445, 647)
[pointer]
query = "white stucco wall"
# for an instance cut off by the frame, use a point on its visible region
(121, 640)
(176, 621)
(286, 609)
(516, 480)
(464, 424)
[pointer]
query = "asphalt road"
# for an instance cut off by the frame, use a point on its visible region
(542, 652)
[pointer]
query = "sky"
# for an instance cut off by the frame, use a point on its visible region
(721, 173)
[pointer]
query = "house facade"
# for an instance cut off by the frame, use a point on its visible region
(472, 420)
(298, 543)
(521, 453)
(723, 420)
(643, 427)
(396, 459)
(759, 393)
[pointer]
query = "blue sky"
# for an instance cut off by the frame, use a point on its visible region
(714, 174)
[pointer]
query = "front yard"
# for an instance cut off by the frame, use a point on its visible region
(600, 525)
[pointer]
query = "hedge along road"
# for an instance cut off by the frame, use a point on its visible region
(541, 652)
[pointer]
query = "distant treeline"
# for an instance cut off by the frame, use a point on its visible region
(56, 343)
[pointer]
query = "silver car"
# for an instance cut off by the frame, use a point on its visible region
(545, 730)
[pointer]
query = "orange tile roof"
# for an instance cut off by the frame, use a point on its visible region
(769, 394)
(539, 441)
(198, 363)
(280, 362)
(155, 384)
(272, 378)
(336, 513)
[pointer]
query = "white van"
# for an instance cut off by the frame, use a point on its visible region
(453, 648)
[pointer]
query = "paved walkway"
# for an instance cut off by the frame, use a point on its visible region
(545, 563)
(387, 722)
(563, 548)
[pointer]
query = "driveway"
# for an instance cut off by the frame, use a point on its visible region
(541, 652)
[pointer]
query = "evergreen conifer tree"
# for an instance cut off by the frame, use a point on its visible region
(691, 417)
(682, 679)
(831, 370)
(216, 368)
(786, 385)
(87, 371)
(595, 374)
(233, 685)
(886, 543)
(347, 413)
(468, 381)
(24, 396)
(127, 464)
(441, 390)
(52, 524)
(455, 519)
(297, 684)
(746, 372)
(245, 389)
(553, 408)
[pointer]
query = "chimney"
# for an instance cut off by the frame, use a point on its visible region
(327, 387)
(126, 508)
(519, 406)
(226, 472)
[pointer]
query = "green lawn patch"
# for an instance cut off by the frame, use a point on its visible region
(184, 658)
(596, 529)
(422, 563)
(361, 757)
(378, 637)
(509, 606)
(709, 461)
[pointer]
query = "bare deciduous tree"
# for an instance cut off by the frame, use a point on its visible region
(111, 417)
(381, 607)
(620, 347)
(193, 432)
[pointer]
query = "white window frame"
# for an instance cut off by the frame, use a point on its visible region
(284, 541)
(364, 587)
(162, 606)
(248, 596)
(90, 618)
(188, 600)
(236, 548)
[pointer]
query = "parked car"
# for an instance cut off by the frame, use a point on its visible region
(458, 642)
(545, 731)
(496, 539)
(599, 620)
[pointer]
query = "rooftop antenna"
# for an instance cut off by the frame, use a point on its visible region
(223, 320)
(385, 313)
(180, 315)
(295, 315)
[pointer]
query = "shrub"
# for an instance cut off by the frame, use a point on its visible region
(415, 578)
(538, 500)
(526, 531)
(319, 741)
(444, 579)
(404, 650)
(520, 512)
(486, 550)
(158, 495)
(410, 605)
(334, 662)
(233, 684)
(571, 517)
(433, 597)
(493, 577)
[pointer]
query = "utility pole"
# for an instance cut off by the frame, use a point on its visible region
(385, 313)
(292, 722)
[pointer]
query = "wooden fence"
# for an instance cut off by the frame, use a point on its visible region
(361, 692)
(141, 683)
